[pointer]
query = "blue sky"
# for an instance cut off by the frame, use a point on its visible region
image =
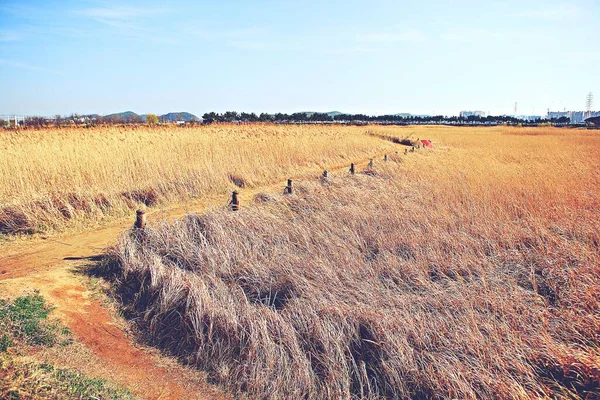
(376, 57)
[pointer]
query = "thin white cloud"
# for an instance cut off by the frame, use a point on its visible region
(348, 50)
(247, 32)
(129, 22)
(471, 35)
(25, 66)
(117, 23)
(233, 34)
(252, 38)
(118, 13)
(258, 38)
(411, 35)
(250, 44)
(552, 12)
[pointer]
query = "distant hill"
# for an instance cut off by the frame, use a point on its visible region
(127, 116)
(178, 116)
(130, 116)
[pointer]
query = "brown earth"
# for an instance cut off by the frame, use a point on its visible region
(95, 327)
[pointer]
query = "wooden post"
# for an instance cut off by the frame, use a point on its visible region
(371, 163)
(352, 168)
(140, 219)
(235, 202)
(288, 188)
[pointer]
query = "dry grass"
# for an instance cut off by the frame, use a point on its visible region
(56, 178)
(465, 272)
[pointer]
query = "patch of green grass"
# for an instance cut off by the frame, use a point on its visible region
(27, 380)
(25, 320)
(6, 341)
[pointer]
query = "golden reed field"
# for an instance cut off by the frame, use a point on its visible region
(56, 178)
(470, 270)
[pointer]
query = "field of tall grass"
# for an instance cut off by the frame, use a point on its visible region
(467, 271)
(53, 179)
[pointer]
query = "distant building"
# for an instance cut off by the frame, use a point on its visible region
(529, 117)
(558, 114)
(576, 117)
(467, 114)
(590, 114)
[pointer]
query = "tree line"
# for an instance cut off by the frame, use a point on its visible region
(301, 117)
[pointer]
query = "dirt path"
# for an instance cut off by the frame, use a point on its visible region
(94, 326)
(51, 265)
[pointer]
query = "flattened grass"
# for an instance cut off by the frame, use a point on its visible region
(468, 272)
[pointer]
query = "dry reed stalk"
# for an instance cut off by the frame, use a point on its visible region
(469, 272)
(56, 178)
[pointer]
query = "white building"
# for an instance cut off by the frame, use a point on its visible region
(467, 114)
(576, 117)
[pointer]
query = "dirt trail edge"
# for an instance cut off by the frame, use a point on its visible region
(51, 266)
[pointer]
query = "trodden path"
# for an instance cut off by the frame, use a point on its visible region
(51, 267)
(94, 326)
